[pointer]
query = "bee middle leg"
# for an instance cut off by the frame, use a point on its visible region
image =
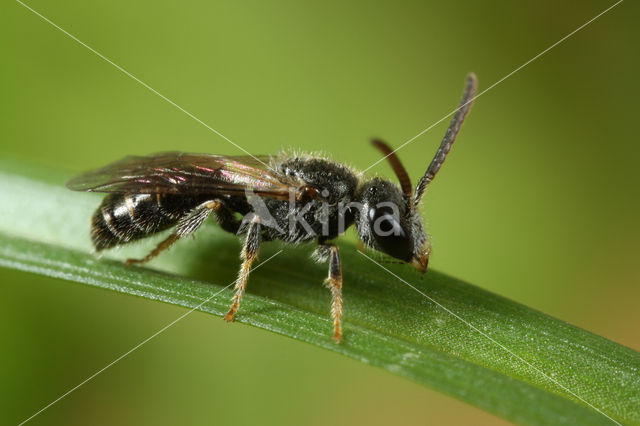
(334, 282)
(249, 254)
(186, 226)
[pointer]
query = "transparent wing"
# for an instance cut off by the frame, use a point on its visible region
(179, 173)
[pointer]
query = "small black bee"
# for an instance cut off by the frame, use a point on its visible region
(289, 198)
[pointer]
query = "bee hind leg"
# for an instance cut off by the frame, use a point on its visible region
(249, 254)
(186, 226)
(334, 283)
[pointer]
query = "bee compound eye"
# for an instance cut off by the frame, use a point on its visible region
(386, 225)
(389, 234)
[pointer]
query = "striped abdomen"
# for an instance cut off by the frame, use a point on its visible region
(122, 218)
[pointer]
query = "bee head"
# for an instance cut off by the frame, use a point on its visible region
(388, 222)
(390, 219)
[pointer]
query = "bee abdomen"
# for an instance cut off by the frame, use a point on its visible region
(122, 218)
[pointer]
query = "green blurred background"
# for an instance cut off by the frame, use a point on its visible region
(538, 202)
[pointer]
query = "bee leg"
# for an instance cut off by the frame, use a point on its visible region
(227, 220)
(334, 282)
(249, 254)
(186, 225)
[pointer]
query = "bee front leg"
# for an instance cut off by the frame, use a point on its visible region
(186, 225)
(249, 254)
(334, 282)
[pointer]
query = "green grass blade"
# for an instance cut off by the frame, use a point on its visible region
(44, 229)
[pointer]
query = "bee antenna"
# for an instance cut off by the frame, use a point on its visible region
(449, 137)
(396, 165)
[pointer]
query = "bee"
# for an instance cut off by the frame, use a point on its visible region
(291, 198)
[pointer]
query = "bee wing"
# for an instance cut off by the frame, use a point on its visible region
(181, 173)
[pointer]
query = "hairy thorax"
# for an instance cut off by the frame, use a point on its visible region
(307, 219)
